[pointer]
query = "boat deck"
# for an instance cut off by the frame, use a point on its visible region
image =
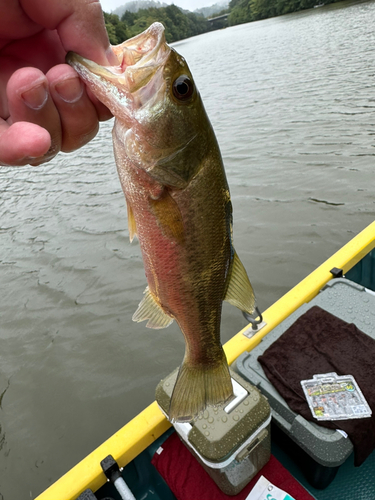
(350, 483)
(150, 429)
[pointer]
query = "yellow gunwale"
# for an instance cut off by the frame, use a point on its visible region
(150, 424)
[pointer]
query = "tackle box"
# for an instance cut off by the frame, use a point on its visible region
(318, 451)
(232, 442)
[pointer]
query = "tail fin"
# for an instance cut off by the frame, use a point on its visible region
(198, 385)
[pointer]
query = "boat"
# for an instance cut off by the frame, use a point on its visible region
(131, 449)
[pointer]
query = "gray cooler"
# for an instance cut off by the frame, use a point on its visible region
(318, 451)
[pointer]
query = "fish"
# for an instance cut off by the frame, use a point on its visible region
(179, 207)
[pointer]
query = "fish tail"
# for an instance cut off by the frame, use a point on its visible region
(197, 386)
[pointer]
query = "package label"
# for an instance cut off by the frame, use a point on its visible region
(334, 397)
(264, 490)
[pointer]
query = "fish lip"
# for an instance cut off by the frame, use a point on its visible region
(76, 61)
(143, 47)
(137, 54)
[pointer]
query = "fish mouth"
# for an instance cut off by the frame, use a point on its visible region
(138, 77)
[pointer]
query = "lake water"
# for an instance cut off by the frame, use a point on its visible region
(293, 104)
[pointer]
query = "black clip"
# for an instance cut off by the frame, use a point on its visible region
(253, 319)
(336, 272)
(110, 468)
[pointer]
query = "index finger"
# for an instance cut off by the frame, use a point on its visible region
(79, 23)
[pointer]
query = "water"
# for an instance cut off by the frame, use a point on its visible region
(293, 106)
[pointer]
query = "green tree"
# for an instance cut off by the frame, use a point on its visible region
(116, 28)
(111, 33)
(128, 17)
(240, 12)
(121, 32)
(262, 9)
(178, 24)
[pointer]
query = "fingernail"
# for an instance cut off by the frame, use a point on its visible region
(70, 90)
(36, 97)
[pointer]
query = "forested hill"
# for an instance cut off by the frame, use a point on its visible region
(244, 11)
(180, 24)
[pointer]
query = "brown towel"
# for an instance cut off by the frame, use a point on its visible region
(319, 342)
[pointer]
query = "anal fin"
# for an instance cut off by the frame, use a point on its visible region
(239, 291)
(150, 309)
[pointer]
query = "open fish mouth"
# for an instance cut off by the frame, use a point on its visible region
(136, 79)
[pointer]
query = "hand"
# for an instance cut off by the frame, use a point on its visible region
(44, 106)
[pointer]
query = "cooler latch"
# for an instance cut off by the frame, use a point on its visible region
(252, 446)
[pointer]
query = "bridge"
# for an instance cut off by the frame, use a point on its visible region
(214, 20)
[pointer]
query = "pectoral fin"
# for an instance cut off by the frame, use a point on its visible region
(177, 166)
(168, 177)
(239, 291)
(150, 309)
(169, 217)
(131, 222)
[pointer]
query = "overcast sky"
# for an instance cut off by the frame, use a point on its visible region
(109, 5)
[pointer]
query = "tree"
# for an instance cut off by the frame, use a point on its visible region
(240, 12)
(263, 9)
(178, 24)
(116, 28)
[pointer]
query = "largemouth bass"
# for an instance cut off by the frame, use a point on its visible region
(178, 203)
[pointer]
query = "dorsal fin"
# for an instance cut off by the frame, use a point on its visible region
(150, 309)
(239, 291)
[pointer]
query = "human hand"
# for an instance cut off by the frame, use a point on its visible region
(44, 106)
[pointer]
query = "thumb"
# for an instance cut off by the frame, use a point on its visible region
(79, 23)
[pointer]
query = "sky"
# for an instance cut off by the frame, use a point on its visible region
(109, 5)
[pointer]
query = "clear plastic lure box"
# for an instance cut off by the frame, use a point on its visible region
(232, 442)
(334, 397)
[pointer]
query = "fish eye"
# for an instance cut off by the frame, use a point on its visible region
(183, 88)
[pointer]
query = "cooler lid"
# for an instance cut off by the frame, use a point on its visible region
(219, 431)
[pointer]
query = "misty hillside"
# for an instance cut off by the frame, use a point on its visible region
(135, 5)
(212, 9)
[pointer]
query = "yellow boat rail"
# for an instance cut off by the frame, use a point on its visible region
(150, 424)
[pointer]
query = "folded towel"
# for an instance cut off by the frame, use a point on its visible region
(319, 342)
